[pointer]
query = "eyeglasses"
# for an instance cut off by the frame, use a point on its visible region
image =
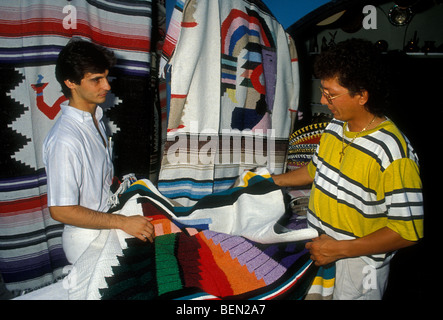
(328, 97)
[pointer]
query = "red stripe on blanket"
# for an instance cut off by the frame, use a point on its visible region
(10, 208)
(213, 279)
(178, 96)
(185, 24)
(55, 27)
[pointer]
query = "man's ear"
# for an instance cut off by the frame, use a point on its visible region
(70, 84)
(364, 97)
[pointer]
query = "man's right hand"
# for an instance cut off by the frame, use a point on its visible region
(139, 227)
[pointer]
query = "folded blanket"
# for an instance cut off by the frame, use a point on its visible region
(194, 256)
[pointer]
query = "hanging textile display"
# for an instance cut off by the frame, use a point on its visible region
(31, 35)
(234, 87)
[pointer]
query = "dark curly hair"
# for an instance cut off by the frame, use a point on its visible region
(79, 57)
(358, 66)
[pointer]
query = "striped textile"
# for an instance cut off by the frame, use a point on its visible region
(172, 36)
(303, 143)
(188, 260)
(31, 254)
(322, 288)
(31, 35)
(233, 84)
(376, 185)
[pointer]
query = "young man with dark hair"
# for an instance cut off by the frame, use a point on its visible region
(366, 198)
(77, 154)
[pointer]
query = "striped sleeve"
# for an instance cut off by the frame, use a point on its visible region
(404, 198)
(312, 165)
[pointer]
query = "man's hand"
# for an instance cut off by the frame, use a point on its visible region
(139, 227)
(323, 250)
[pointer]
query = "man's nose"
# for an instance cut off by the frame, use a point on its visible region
(323, 100)
(106, 85)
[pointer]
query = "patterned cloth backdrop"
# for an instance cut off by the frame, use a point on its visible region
(31, 35)
(234, 87)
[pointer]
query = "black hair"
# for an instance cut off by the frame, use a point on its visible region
(358, 66)
(79, 57)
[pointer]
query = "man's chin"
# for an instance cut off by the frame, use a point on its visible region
(101, 100)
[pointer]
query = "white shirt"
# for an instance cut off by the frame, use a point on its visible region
(78, 166)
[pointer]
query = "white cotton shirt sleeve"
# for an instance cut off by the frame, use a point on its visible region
(65, 175)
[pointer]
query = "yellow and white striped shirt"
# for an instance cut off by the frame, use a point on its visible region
(377, 184)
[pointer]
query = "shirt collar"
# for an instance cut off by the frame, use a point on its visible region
(80, 115)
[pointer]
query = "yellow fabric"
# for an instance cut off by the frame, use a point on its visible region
(377, 184)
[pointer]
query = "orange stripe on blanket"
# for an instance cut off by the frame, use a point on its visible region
(232, 278)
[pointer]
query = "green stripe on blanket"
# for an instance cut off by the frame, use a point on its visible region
(168, 271)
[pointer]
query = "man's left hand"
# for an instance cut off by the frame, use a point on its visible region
(324, 250)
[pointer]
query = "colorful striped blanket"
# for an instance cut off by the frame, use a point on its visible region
(189, 259)
(31, 35)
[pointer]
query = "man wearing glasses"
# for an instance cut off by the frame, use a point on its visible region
(366, 198)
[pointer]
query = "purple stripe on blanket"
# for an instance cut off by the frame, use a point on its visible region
(257, 262)
(270, 271)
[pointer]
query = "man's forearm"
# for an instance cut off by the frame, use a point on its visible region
(325, 250)
(85, 218)
(136, 225)
(296, 178)
(381, 241)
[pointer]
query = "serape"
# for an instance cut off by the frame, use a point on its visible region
(322, 288)
(188, 260)
(31, 35)
(234, 85)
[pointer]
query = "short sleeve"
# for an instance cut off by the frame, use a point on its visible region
(312, 165)
(404, 198)
(64, 174)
